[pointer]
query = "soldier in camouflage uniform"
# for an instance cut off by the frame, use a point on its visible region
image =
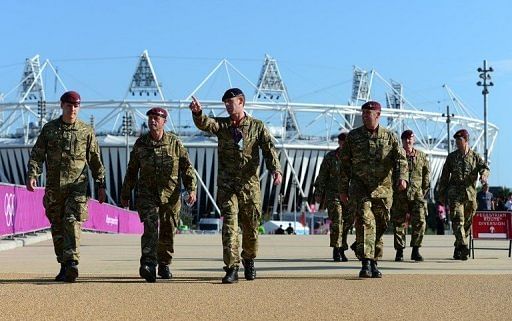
(411, 201)
(240, 139)
(68, 147)
(327, 189)
(158, 164)
(457, 185)
(368, 160)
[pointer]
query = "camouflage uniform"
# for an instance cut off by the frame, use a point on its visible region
(458, 184)
(368, 163)
(327, 187)
(157, 168)
(412, 201)
(68, 150)
(238, 194)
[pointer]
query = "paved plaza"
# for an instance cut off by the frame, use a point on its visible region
(297, 280)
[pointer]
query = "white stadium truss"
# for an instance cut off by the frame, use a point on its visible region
(303, 132)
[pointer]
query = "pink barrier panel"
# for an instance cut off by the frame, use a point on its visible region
(30, 214)
(23, 212)
(129, 223)
(8, 206)
(108, 218)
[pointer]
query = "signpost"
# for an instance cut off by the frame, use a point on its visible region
(490, 225)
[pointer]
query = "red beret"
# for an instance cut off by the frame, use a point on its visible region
(462, 133)
(342, 136)
(371, 105)
(70, 97)
(158, 111)
(407, 133)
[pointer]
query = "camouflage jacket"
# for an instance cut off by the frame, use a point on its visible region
(326, 183)
(459, 175)
(419, 176)
(67, 151)
(369, 162)
(158, 168)
(239, 162)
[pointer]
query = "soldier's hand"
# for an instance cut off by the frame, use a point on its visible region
(31, 184)
(402, 185)
(102, 195)
(191, 198)
(125, 203)
(195, 106)
(344, 198)
(278, 178)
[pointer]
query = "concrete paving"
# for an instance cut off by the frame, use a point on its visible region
(297, 280)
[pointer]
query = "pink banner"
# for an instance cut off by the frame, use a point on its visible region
(23, 212)
(8, 208)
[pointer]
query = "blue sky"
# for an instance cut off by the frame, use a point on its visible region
(422, 44)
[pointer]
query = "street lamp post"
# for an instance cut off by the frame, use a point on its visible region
(448, 121)
(484, 74)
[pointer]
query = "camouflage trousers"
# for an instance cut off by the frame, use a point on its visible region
(66, 211)
(157, 242)
(239, 208)
(461, 215)
(416, 210)
(371, 221)
(348, 223)
(335, 212)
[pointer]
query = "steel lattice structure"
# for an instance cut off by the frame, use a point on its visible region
(304, 127)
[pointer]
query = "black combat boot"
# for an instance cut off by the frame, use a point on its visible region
(231, 275)
(61, 277)
(249, 270)
(399, 257)
(336, 257)
(164, 272)
(365, 270)
(375, 271)
(456, 253)
(464, 252)
(343, 256)
(415, 254)
(71, 271)
(148, 272)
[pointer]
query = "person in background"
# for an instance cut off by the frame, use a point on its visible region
(457, 186)
(484, 199)
(327, 189)
(412, 200)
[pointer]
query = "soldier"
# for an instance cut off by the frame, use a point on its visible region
(68, 147)
(327, 189)
(411, 201)
(158, 164)
(457, 185)
(368, 160)
(240, 138)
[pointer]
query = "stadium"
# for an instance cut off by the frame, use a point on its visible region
(303, 132)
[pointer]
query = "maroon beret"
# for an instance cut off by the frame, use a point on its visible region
(158, 111)
(407, 133)
(342, 136)
(231, 93)
(70, 97)
(371, 105)
(462, 133)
